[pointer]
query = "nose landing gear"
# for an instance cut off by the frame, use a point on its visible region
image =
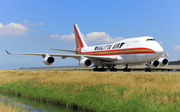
(148, 69)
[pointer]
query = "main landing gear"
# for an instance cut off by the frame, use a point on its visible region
(126, 69)
(100, 69)
(111, 68)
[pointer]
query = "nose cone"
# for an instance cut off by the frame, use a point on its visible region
(158, 49)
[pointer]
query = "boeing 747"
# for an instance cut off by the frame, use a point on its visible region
(128, 51)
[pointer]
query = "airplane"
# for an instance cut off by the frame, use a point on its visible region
(125, 52)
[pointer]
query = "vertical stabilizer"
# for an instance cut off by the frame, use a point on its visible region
(79, 38)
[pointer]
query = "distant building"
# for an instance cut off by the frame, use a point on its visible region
(174, 63)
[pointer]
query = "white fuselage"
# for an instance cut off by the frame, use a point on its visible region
(127, 51)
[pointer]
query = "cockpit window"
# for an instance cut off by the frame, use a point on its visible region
(150, 40)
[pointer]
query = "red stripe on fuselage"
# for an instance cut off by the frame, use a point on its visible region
(119, 51)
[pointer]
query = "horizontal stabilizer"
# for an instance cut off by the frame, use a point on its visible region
(166, 55)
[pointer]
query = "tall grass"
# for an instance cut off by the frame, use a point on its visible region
(98, 91)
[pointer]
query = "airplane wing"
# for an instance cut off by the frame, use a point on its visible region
(43, 54)
(65, 50)
(101, 58)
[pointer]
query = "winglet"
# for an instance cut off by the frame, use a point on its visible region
(7, 51)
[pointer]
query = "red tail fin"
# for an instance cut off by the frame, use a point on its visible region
(79, 38)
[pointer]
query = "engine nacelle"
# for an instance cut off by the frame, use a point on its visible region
(48, 60)
(155, 63)
(160, 61)
(163, 61)
(85, 62)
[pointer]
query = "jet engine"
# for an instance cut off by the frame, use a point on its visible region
(48, 60)
(160, 61)
(163, 61)
(155, 63)
(85, 62)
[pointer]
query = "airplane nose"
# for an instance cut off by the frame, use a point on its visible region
(159, 50)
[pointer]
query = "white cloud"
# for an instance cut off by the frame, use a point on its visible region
(55, 36)
(93, 37)
(63, 37)
(40, 23)
(68, 37)
(160, 42)
(101, 38)
(13, 29)
(27, 23)
(176, 48)
(1, 25)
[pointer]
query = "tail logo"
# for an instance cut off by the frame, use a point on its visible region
(78, 38)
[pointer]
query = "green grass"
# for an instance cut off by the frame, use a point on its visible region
(101, 97)
(142, 92)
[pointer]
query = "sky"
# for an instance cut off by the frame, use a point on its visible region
(35, 26)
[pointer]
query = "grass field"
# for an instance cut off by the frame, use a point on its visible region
(98, 91)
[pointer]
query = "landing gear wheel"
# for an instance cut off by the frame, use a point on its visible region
(95, 69)
(113, 69)
(100, 69)
(126, 69)
(103, 69)
(147, 69)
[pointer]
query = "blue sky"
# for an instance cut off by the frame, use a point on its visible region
(34, 26)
